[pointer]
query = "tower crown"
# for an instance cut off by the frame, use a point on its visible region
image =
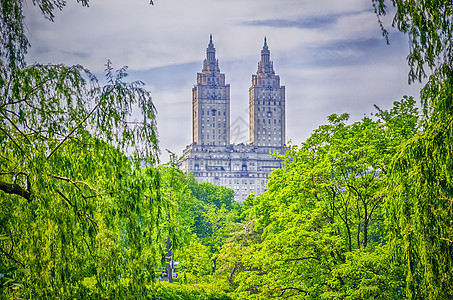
(265, 66)
(210, 64)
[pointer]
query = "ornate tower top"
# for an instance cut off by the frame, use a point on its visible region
(210, 64)
(265, 66)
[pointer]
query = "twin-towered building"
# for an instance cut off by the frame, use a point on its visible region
(245, 168)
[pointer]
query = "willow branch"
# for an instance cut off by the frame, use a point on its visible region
(73, 130)
(17, 145)
(15, 189)
(11, 257)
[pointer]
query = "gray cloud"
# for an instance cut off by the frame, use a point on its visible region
(306, 22)
(329, 54)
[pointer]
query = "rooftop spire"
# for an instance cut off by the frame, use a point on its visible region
(210, 63)
(265, 65)
(211, 44)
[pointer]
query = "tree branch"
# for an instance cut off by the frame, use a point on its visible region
(17, 145)
(15, 189)
(17, 128)
(73, 130)
(75, 183)
(65, 198)
(283, 290)
(11, 257)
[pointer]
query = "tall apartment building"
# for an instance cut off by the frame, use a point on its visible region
(211, 103)
(245, 168)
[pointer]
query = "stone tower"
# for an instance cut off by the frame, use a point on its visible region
(267, 105)
(244, 168)
(211, 104)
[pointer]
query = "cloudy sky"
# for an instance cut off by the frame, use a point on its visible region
(329, 54)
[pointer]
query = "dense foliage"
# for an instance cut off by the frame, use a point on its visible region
(360, 209)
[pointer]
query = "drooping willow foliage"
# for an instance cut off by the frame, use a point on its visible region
(79, 216)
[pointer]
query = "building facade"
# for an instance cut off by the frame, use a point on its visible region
(245, 168)
(211, 104)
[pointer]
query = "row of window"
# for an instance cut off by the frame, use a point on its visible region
(268, 102)
(213, 125)
(213, 137)
(207, 174)
(268, 145)
(269, 109)
(263, 127)
(264, 114)
(269, 121)
(213, 131)
(269, 132)
(213, 144)
(213, 113)
(269, 139)
(213, 119)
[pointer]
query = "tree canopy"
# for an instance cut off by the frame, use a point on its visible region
(77, 208)
(359, 210)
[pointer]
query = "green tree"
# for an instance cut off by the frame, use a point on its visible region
(419, 207)
(179, 221)
(195, 262)
(322, 214)
(77, 213)
(243, 235)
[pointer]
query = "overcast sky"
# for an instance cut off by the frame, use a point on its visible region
(329, 54)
